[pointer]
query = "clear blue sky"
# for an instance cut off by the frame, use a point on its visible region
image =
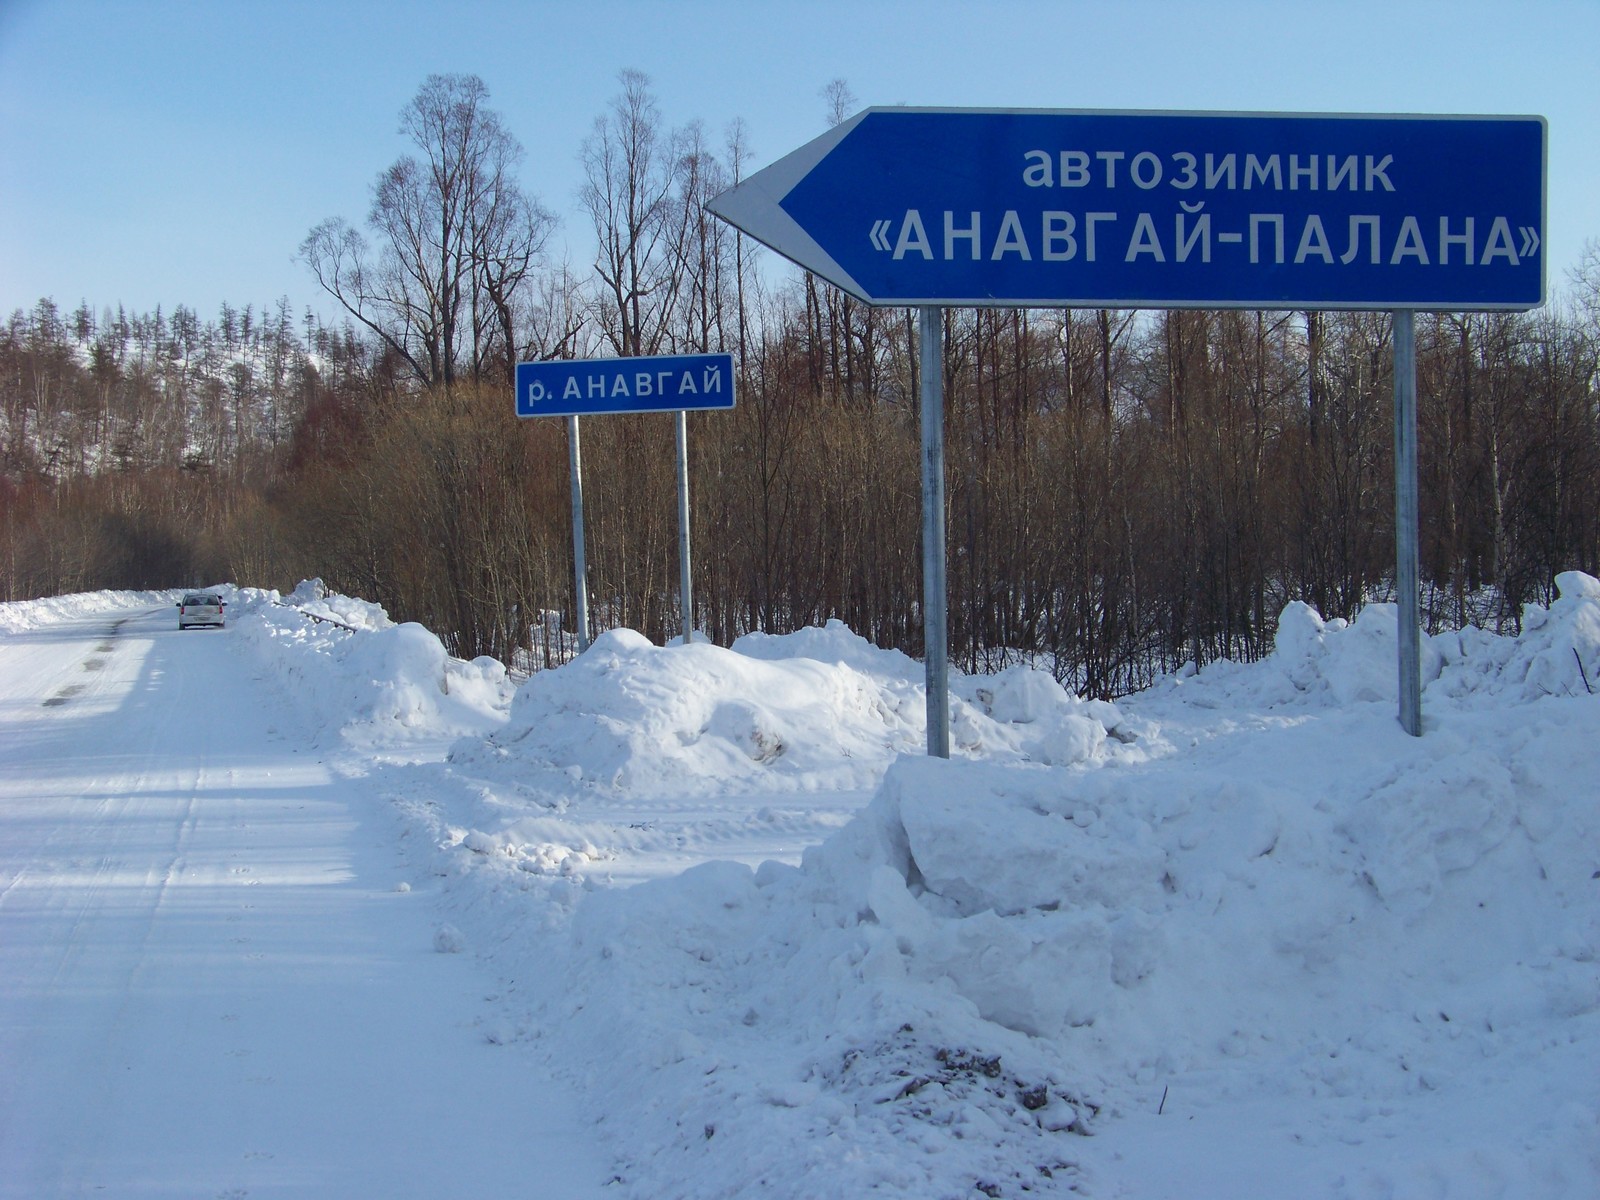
(177, 151)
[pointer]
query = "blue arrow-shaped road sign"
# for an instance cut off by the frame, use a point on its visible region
(962, 207)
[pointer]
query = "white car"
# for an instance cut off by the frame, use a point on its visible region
(199, 608)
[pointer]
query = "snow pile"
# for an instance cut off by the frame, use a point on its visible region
(376, 683)
(1314, 664)
(1558, 653)
(1362, 962)
(813, 1031)
(649, 720)
(1335, 663)
(817, 710)
(17, 616)
(313, 598)
(1024, 714)
(833, 643)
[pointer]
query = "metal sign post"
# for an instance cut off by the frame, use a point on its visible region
(953, 208)
(685, 580)
(1406, 570)
(935, 614)
(580, 570)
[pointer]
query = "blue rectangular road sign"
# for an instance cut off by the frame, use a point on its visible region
(958, 207)
(661, 383)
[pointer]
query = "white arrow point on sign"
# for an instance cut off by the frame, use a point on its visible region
(1530, 241)
(880, 235)
(755, 206)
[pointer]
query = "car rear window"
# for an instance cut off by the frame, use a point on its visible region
(196, 601)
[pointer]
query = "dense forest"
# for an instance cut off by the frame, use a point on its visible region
(1127, 491)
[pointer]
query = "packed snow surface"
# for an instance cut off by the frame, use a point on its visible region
(215, 979)
(1237, 937)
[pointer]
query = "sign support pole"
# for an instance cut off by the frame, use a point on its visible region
(1406, 574)
(935, 624)
(685, 583)
(580, 570)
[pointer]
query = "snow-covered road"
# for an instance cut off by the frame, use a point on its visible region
(212, 984)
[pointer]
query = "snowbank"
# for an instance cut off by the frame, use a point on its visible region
(19, 615)
(1277, 895)
(313, 598)
(359, 676)
(822, 709)
(1329, 664)
(1558, 653)
(1238, 936)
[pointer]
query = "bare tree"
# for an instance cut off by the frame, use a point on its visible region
(630, 171)
(555, 317)
(841, 101)
(457, 237)
(707, 265)
(737, 155)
